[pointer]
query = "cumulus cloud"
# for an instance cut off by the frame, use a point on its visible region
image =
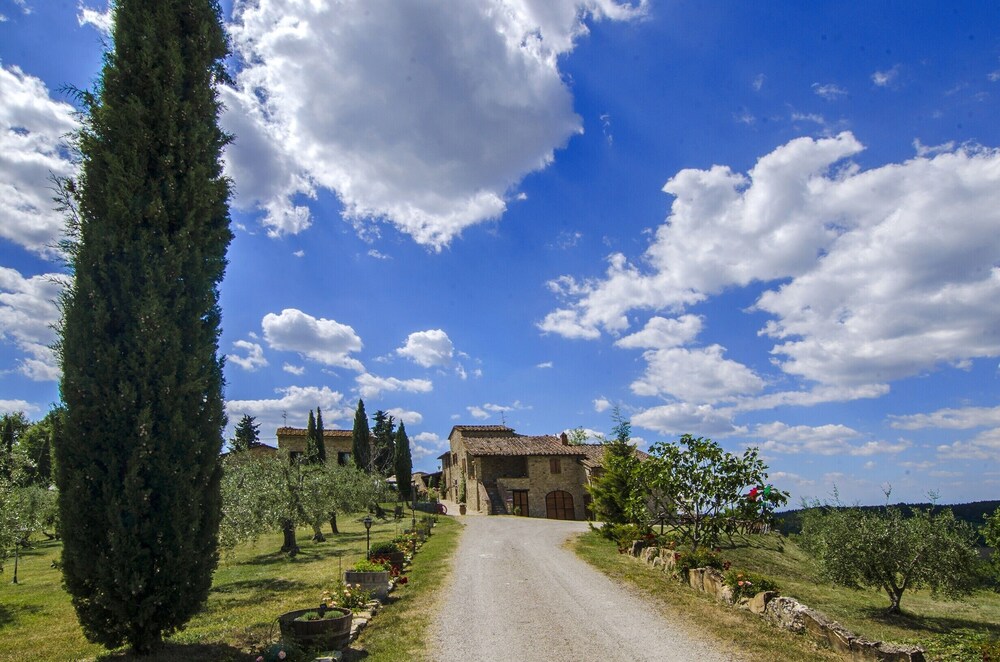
(662, 333)
(322, 340)
(821, 440)
(949, 419)
(33, 132)
(293, 404)
(984, 446)
(102, 20)
(885, 78)
(489, 409)
(428, 348)
(601, 405)
(427, 444)
(699, 375)
(408, 417)
(28, 315)
(679, 418)
(296, 370)
(253, 360)
(884, 273)
(422, 115)
(544, 364)
(370, 386)
(12, 406)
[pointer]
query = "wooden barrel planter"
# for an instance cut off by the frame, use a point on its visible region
(396, 559)
(333, 632)
(376, 582)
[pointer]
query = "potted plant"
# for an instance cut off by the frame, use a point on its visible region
(461, 495)
(371, 576)
(389, 551)
(328, 627)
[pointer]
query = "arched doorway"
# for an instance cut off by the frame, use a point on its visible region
(559, 505)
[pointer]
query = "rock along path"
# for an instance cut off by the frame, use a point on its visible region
(517, 594)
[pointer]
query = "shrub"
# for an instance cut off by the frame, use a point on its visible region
(624, 534)
(384, 548)
(747, 584)
(701, 558)
(364, 565)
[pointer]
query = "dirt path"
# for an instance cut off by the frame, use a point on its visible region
(518, 595)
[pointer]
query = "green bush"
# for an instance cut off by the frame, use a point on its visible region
(364, 565)
(381, 548)
(701, 558)
(624, 535)
(747, 584)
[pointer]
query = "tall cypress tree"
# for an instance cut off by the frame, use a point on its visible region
(383, 442)
(361, 446)
(312, 453)
(142, 380)
(320, 442)
(403, 463)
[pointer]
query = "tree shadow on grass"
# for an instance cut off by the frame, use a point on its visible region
(933, 624)
(10, 614)
(264, 584)
(171, 652)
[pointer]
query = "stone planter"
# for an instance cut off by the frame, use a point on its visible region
(376, 582)
(332, 632)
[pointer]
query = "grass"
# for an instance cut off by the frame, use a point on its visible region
(735, 631)
(252, 586)
(946, 629)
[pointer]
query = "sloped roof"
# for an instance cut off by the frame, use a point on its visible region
(520, 445)
(301, 432)
(478, 431)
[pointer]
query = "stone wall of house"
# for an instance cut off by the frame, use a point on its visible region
(571, 478)
(783, 612)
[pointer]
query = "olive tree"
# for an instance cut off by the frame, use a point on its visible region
(700, 488)
(885, 550)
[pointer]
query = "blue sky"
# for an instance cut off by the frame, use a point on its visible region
(770, 224)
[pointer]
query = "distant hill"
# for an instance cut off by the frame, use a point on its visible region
(790, 521)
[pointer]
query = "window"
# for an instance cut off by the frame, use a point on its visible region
(343, 458)
(554, 466)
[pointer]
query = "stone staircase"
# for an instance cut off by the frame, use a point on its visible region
(497, 505)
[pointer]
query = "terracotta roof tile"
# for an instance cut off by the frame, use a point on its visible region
(520, 445)
(301, 432)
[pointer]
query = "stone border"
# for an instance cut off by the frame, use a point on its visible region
(784, 612)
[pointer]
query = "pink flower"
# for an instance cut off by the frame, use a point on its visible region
(260, 658)
(740, 582)
(281, 655)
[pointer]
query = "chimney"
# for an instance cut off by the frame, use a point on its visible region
(564, 439)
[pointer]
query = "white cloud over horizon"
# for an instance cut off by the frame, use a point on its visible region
(324, 341)
(428, 348)
(29, 313)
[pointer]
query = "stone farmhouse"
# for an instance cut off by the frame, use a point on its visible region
(511, 473)
(338, 443)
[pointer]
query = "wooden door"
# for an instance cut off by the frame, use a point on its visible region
(520, 503)
(559, 505)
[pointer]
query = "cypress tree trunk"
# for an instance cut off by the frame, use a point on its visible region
(139, 475)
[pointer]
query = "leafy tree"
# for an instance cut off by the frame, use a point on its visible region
(312, 452)
(383, 443)
(617, 493)
(320, 432)
(252, 496)
(142, 380)
(991, 533)
(246, 435)
(361, 448)
(403, 462)
(35, 447)
(885, 550)
(12, 426)
(699, 487)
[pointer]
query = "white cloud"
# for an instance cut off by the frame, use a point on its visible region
(28, 315)
(12, 406)
(994, 76)
(886, 273)
(427, 444)
(830, 91)
(369, 386)
(885, 78)
(984, 446)
(758, 82)
(544, 364)
(662, 333)
(423, 115)
(408, 417)
(601, 405)
(294, 404)
(695, 375)
(296, 370)
(685, 418)
(487, 410)
(821, 440)
(949, 419)
(322, 340)
(428, 348)
(33, 132)
(102, 20)
(377, 255)
(254, 359)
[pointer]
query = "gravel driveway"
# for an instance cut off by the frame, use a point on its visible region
(516, 594)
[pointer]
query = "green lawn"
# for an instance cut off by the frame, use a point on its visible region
(252, 586)
(946, 629)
